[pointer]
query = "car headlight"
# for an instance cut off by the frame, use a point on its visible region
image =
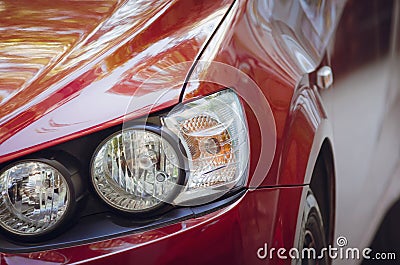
(199, 152)
(214, 133)
(136, 170)
(35, 198)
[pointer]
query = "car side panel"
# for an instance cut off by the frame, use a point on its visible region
(254, 43)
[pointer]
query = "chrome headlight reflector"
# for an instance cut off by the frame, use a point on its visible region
(136, 170)
(35, 198)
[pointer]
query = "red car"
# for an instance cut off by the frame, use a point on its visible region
(199, 132)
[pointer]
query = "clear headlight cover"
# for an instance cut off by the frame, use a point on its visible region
(34, 198)
(214, 135)
(136, 170)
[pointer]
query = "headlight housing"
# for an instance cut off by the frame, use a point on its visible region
(214, 133)
(199, 152)
(188, 156)
(35, 198)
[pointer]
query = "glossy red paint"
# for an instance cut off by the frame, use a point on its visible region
(231, 235)
(96, 66)
(294, 108)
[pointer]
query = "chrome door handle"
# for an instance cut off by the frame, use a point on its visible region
(324, 77)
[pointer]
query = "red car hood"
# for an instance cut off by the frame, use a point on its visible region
(71, 68)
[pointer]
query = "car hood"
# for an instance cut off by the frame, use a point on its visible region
(71, 68)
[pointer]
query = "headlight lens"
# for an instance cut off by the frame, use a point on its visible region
(136, 170)
(214, 134)
(34, 198)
